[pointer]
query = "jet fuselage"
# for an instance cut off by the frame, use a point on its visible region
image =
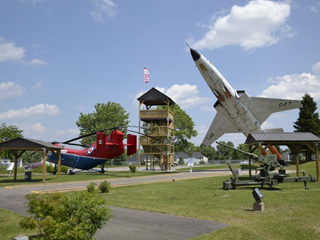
(228, 98)
(237, 112)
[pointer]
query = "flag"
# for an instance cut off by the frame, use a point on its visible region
(146, 75)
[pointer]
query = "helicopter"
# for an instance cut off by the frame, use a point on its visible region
(103, 149)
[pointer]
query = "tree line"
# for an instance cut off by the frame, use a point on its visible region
(111, 114)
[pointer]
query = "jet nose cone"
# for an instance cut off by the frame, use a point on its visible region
(195, 55)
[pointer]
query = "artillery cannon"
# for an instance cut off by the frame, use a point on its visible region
(266, 176)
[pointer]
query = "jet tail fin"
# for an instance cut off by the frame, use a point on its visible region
(262, 108)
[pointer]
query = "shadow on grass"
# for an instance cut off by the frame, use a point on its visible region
(18, 180)
(249, 210)
(35, 237)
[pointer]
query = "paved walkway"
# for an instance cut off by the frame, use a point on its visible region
(126, 223)
(118, 182)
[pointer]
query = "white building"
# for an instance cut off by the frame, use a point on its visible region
(197, 156)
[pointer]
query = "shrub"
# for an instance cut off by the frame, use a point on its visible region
(104, 186)
(64, 169)
(37, 170)
(49, 168)
(132, 168)
(62, 217)
(3, 170)
(202, 161)
(91, 187)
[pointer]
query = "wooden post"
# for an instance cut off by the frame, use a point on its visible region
(249, 166)
(173, 150)
(139, 152)
(297, 161)
(44, 170)
(15, 166)
(59, 163)
(168, 142)
(250, 150)
(16, 156)
(317, 161)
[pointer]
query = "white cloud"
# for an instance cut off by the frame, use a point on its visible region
(267, 125)
(38, 131)
(97, 17)
(33, 1)
(103, 8)
(186, 95)
(37, 110)
(38, 87)
(316, 68)
(294, 87)
(72, 131)
(37, 62)
(313, 9)
(10, 52)
(259, 23)
(80, 107)
(10, 89)
(202, 130)
(38, 127)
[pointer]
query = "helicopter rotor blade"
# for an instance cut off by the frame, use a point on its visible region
(93, 133)
(77, 138)
(144, 135)
(76, 144)
(89, 134)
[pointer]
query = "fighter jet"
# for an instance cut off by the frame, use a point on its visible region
(237, 112)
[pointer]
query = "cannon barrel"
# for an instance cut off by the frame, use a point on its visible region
(246, 153)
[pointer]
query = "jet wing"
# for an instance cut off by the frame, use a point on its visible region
(220, 125)
(262, 108)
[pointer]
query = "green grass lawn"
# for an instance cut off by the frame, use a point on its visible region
(207, 167)
(9, 225)
(292, 212)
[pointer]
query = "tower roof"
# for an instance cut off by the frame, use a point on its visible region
(155, 97)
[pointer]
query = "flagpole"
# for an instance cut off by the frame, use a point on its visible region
(144, 83)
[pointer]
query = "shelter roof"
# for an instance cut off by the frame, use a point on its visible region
(285, 138)
(155, 97)
(26, 143)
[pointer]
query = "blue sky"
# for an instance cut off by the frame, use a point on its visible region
(60, 58)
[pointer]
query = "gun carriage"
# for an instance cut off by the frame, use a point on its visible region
(267, 175)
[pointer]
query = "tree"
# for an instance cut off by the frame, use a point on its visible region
(31, 157)
(105, 116)
(208, 151)
(242, 147)
(225, 152)
(183, 130)
(308, 120)
(8, 133)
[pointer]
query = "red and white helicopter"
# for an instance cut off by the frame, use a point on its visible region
(103, 149)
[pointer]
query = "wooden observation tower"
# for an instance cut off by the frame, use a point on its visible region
(157, 120)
